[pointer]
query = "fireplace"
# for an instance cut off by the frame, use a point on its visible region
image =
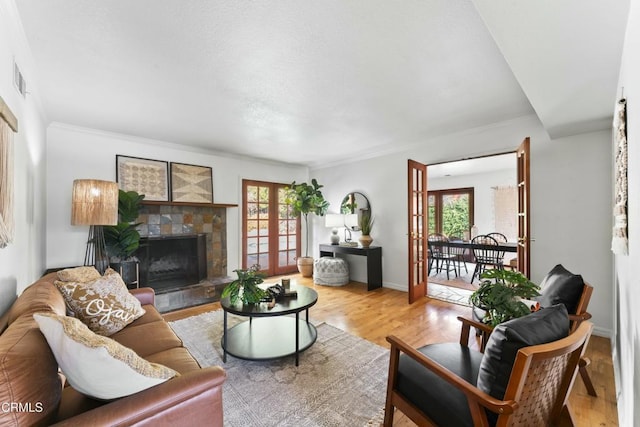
(172, 262)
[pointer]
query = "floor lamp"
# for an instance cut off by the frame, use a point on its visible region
(95, 203)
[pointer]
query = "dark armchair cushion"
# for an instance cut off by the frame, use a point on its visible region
(439, 400)
(560, 286)
(543, 326)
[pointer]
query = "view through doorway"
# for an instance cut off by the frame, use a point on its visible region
(467, 198)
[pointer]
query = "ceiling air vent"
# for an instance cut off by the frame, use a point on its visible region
(18, 80)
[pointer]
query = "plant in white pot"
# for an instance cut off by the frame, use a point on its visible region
(304, 199)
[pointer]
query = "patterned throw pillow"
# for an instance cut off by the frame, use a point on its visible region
(79, 274)
(104, 304)
(97, 366)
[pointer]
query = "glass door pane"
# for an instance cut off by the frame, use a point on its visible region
(257, 226)
(288, 236)
(455, 214)
(271, 232)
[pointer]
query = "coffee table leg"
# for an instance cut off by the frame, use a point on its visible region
(297, 336)
(224, 339)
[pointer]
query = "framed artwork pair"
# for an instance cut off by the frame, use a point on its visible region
(165, 181)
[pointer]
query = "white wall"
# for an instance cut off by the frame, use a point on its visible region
(22, 261)
(627, 301)
(570, 198)
(75, 153)
(571, 205)
(483, 209)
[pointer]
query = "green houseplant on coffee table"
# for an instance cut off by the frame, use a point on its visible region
(245, 287)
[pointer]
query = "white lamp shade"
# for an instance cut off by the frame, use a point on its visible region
(333, 220)
(351, 220)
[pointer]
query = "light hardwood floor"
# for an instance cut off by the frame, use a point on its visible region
(376, 314)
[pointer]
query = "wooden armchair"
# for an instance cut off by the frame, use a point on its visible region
(581, 314)
(447, 391)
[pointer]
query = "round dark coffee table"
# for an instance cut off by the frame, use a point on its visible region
(273, 334)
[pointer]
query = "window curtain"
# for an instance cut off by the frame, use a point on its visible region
(505, 211)
(619, 242)
(8, 124)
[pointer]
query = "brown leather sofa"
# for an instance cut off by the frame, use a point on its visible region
(33, 393)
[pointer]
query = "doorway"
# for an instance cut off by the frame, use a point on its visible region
(499, 187)
(467, 198)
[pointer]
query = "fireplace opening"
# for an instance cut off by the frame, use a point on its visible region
(172, 262)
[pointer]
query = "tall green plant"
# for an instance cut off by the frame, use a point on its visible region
(305, 199)
(499, 295)
(123, 239)
(366, 222)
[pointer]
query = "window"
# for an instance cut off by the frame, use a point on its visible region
(451, 212)
(8, 125)
(271, 233)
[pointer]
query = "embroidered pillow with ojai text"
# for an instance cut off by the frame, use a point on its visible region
(104, 304)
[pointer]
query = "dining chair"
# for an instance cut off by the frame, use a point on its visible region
(524, 377)
(486, 256)
(459, 254)
(501, 238)
(440, 254)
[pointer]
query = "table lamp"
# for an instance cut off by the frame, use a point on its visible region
(334, 221)
(95, 203)
(350, 223)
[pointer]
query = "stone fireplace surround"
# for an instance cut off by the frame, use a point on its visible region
(169, 220)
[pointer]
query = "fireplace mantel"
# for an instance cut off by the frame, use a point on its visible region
(203, 205)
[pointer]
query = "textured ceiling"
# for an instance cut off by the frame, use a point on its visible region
(297, 81)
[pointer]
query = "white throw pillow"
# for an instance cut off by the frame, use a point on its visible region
(98, 366)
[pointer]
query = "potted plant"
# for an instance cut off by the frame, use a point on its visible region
(500, 294)
(122, 240)
(305, 199)
(245, 287)
(365, 222)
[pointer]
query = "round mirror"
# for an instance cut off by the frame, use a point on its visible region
(354, 203)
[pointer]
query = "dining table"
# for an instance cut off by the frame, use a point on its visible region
(502, 246)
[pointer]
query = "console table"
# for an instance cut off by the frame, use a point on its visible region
(374, 260)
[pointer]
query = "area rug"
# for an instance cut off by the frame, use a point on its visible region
(449, 294)
(341, 379)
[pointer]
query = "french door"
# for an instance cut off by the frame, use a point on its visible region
(417, 236)
(524, 229)
(271, 233)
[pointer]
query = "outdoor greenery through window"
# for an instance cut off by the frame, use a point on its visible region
(451, 212)
(271, 232)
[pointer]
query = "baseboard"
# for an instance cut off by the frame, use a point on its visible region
(603, 332)
(395, 286)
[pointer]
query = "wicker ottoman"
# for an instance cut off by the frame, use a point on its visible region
(330, 271)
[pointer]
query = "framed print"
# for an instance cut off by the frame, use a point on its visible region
(190, 183)
(144, 176)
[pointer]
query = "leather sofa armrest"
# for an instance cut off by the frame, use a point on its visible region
(146, 296)
(192, 399)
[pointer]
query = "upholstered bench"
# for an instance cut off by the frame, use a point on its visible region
(330, 271)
